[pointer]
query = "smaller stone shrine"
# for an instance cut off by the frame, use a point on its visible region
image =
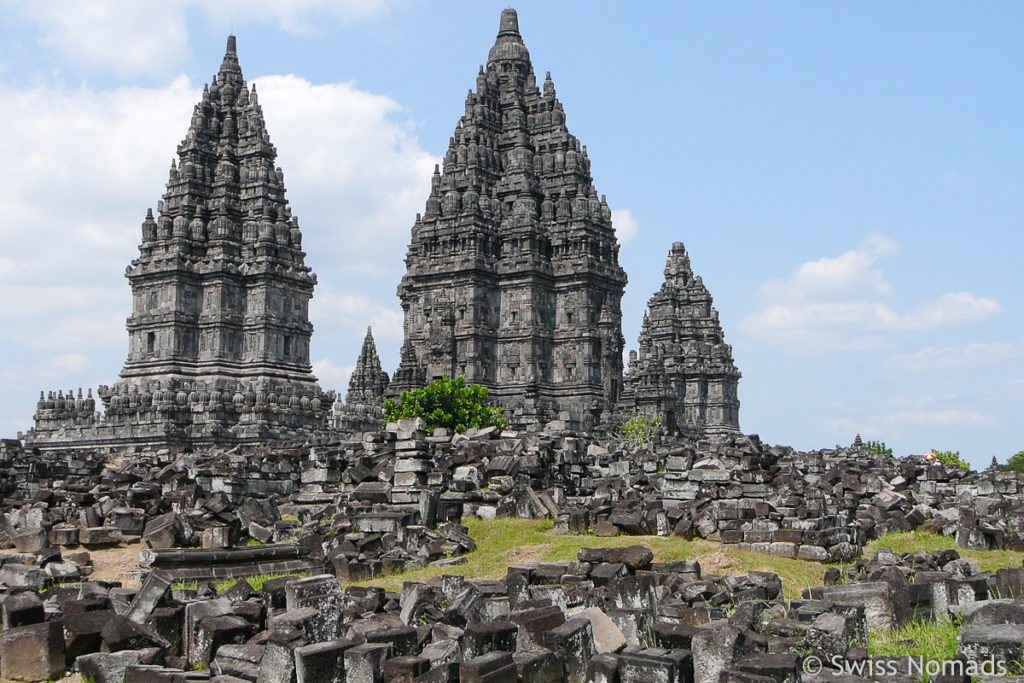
(361, 410)
(683, 373)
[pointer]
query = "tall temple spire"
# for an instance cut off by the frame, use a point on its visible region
(512, 277)
(219, 331)
(229, 67)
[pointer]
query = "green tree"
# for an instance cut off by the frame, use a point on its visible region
(951, 458)
(639, 431)
(1015, 463)
(877, 447)
(448, 403)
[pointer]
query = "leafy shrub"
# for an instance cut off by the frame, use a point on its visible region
(639, 431)
(1015, 463)
(448, 403)
(951, 458)
(877, 447)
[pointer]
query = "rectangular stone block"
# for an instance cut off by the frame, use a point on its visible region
(152, 591)
(22, 609)
(365, 663)
(405, 669)
(322, 662)
(493, 667)
(32, 653)
(874, 595)
(103, 535)
(656, 665)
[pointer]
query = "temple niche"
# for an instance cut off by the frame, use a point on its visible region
(513, 278)
(683, 372)
(219, 333)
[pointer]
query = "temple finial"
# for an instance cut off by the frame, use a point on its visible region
(509, 22)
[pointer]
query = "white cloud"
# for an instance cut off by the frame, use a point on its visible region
(626, 225)
(354, 312)
(333, 376)
(132, 38)
(846, 429)
(85, 164)
(953, 308)
(295, 16)
(849, 277)
(127, 37)
(1014, 389)
(943, 418)
(900, 423)
(68, 364)
(974, 355)
(355, 174)
(22, 301)
(842, 303)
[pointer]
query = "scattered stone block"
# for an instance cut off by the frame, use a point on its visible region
(34, 652)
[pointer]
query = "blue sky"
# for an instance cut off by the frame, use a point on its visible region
(847, 178)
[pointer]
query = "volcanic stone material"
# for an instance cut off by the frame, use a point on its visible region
(218, 337)
(33, 652)
(513, 276)
(361, 410)
(683, 372)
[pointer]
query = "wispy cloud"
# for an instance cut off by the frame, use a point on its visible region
(978, 354)
(61, 273)
(130, 38)
(333, 376)
(842, 303)
(626, 225)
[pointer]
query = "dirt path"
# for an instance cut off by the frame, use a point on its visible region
(525, 554)
(718, 562)
(116, 564)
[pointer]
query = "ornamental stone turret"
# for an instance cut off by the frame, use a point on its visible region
(683, 372)
(219, 333)
(513, 278)
(362, 409)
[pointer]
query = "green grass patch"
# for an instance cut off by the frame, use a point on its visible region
(929, 640)
(912, 541)
(256, 581)
(509, 541)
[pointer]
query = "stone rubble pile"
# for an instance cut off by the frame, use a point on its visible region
(819, 505)
(212, 515)
(612, 615)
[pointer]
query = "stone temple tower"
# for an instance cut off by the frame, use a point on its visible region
(218, 337)
(513, 278)
(684, 371)
(362, 411)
